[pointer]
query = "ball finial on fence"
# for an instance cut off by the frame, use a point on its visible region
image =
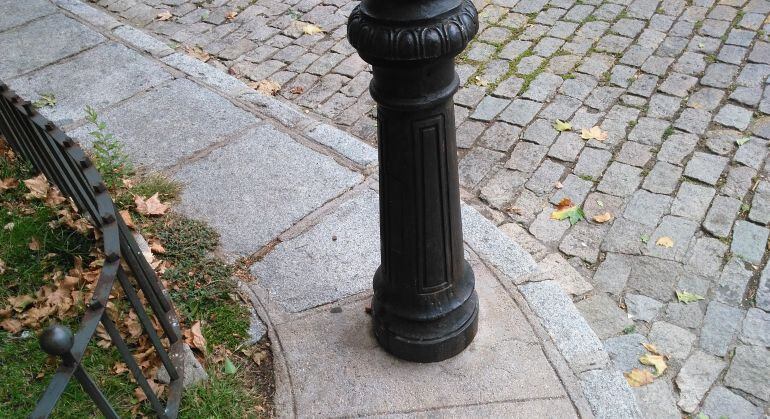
(57, 340)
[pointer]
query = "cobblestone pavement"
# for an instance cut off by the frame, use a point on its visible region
(679, 87)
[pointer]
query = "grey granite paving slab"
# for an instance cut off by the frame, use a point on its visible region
(334, 259)
(251, 204)
(43, 42)
(99, 77)
(171, 122)
(339, 348)
(18, 12)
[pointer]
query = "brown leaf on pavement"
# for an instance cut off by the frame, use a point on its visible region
(594, 133)
(266, 87)
(311, 29)
(665, 241)
(564, 203)
(602, 218)
(638, 377)
(657, 361)
(197, 52)
(164, 16)
(230, 16)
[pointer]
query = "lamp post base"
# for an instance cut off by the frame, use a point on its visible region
(431, 340)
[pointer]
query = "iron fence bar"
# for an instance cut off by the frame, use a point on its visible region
(64, 163)
(176, 386)
(62, 149)
(135, 259)
(96, 395)
(22, 125)
(11, 125)
(133, 298)
(53, 171)
(23, 141)
(125, 353)
(83, 197)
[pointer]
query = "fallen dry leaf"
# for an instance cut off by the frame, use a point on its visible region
(688, 297)
(231, 15)
(164, 15)
(54, 197)
(150, 206)
(197, 339)
(3, 267)
(126, 216)
(594, 133)
(311, 29)
(21, 302)
(266, 87)
(561, 126)
(665, 241)
(120, 368)
(564, 203)
(197, 52)
(34, 244)
(573, 214)
(297, 90)
(156, 247)
(8, 184)
(651, 348)
(602, 218)
(638, 377)
(11, 325)
(38, 187)
(657, 361)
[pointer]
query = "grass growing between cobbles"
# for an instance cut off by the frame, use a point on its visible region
(42, 241)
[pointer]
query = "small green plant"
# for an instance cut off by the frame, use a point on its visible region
(109, 157)
(629, 329)
(46, 100)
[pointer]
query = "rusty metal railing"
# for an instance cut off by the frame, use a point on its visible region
(65, 164)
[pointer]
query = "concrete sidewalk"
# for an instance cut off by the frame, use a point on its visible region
(297, 199)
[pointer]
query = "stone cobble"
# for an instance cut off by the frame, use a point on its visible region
(681, 89)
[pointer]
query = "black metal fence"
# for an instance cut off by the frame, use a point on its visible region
(65, 164)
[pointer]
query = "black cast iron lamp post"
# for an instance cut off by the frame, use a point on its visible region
(425, 308)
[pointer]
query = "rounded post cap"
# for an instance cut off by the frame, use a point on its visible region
(57, 340)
